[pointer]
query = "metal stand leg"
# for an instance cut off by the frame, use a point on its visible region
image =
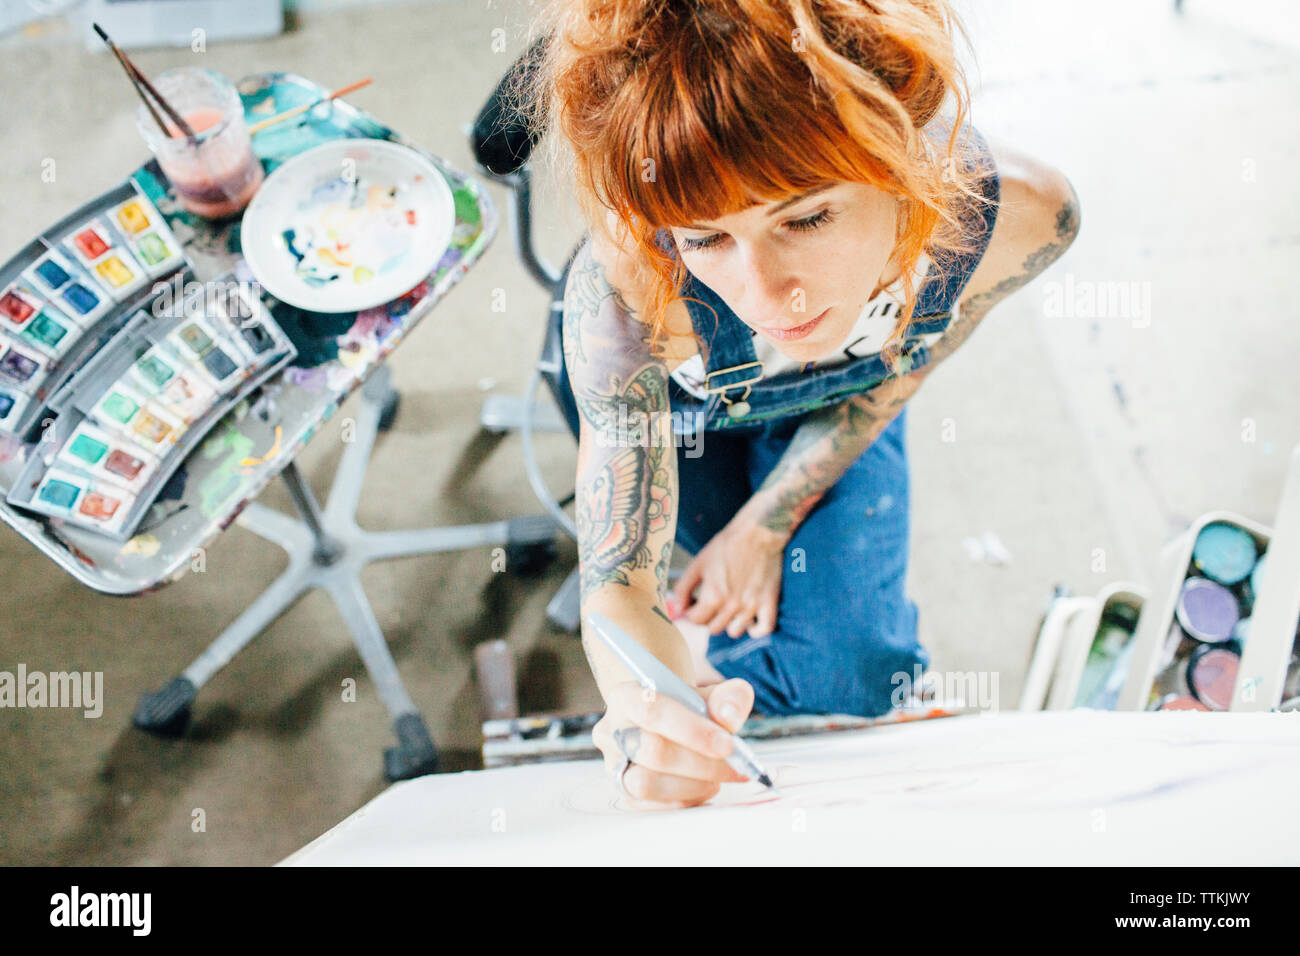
(327, 549)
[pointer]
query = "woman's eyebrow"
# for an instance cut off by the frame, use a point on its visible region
(776, 209)
(803, 195)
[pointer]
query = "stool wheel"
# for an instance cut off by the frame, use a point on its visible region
(166, 712)
(415, 755)
(388, 414)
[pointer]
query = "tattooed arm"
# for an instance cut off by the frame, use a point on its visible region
(627, 469)
(1037, 221)
(627, 516)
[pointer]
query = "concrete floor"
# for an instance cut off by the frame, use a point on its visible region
(1074, 433)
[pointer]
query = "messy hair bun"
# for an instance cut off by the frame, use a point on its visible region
(676, 111)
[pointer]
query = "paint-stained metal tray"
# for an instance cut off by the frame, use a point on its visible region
(247, 448)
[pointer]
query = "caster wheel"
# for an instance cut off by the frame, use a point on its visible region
(166, 712)
(414, 756)
(388, 414)
(529, 560)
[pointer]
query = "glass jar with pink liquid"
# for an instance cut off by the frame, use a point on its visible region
(216, 175)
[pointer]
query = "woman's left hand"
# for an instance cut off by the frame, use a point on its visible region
(739, 579)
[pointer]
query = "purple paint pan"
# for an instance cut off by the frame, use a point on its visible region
(1207, 611)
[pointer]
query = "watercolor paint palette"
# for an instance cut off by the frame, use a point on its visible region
(332, 242)
(66, 293)
(128, 418)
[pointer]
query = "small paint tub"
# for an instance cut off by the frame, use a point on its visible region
(1224, 552)
(1178, 702)
(1211, 674)
(1207, 610)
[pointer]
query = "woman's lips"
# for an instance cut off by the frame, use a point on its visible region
(798, 332)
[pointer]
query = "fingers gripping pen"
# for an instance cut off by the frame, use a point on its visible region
(652, 674)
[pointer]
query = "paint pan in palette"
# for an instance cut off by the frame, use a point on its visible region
(81, 500)
(21, 366)
(18, 306)
(172, 384)
(241, 317)
(187, 396)
(208, 356)
(105, 255)
(199, 342)
(13, 404)
(27, 317)
(124, 410)
(146, 233)
(107, 457)
(51, 333)
(68, 287)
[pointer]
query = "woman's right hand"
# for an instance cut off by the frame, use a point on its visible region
(678, 757)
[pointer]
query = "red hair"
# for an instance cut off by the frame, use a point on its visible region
(677, 111)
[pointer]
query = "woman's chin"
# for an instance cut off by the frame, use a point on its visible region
(814, 348)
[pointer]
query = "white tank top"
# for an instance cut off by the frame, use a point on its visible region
(875, 324)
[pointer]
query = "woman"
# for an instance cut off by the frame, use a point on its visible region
(786, 236)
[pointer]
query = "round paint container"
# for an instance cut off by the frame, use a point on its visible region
(1211, 674)
(1224, 553)
(1256, 575)
(1241, 630)
(1179, 702)
(1207, 610)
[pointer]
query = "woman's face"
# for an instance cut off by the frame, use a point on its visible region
(798, 271)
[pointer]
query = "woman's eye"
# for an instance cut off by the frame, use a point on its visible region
(688, 243)
(812, 222)
(797, 225)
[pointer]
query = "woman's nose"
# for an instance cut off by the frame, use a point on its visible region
(768, 288)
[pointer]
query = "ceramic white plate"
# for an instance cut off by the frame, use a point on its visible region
(348, 225)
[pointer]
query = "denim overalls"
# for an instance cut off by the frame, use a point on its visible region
(846, 634)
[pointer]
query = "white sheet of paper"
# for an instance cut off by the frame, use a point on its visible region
(1076, 787)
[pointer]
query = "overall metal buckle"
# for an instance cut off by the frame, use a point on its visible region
(740, 407)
